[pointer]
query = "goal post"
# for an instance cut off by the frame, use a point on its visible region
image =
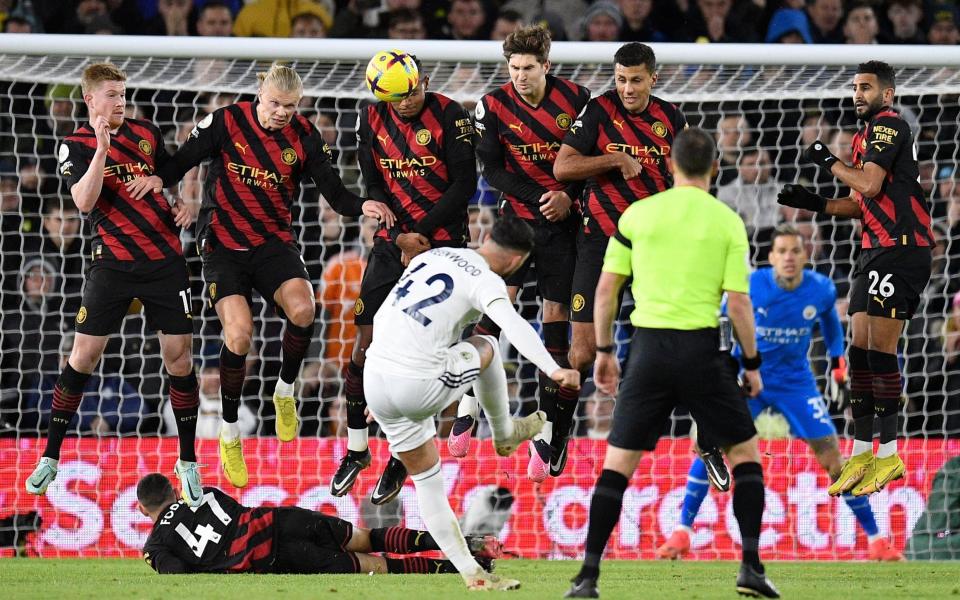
(763, 102)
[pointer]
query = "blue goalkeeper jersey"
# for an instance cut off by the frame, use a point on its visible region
(785, 322)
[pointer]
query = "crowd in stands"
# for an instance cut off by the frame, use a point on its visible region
(774, 21)
(42, 234)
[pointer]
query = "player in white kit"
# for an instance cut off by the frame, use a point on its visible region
(417, 365)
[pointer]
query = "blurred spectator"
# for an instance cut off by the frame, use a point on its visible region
(479, 221)
(789, 26)
(214, 19)
(602, 22)
(825, 18)
(467, 20)
(102, 25)
(85, 11)
(733, 135)
(211, 409)
(506, 23)
(307, 25)
(722, 21)
(562, 17)
(860, 25)
(598, 410)
(335, 424)
(904, 17)
(17, 25)
(172, 18)
(406, 24)
(637, 24)
(110, 405)
(753, 194)
(271, 18)
(62, 246)
(943, 25)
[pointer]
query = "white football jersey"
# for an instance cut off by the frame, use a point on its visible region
(441, 292)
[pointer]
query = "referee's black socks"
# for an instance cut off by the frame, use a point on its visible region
(604, 513)
(861, 394)
(748, 501)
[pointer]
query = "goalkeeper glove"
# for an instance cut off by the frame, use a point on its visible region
(798, 196)
(838, 384)
(820, 155)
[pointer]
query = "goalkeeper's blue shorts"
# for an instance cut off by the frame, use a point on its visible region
(806, 412)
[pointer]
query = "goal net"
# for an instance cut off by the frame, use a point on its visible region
(765, 104)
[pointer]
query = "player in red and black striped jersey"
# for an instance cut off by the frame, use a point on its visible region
(219, 535)
(891, 272)
(260, 152)
(136, 256)
(618, 144)
(417, 157)
(520, 127)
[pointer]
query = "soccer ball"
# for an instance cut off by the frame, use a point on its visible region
(392, 75)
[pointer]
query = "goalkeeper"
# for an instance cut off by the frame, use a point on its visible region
(787, 299)
(222, 536)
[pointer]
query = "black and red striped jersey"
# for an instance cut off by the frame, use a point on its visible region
(254, 175)
(899, 214)
(124, 229)
(604, 127)
(218, 536)
(518, 143)
(423, 167)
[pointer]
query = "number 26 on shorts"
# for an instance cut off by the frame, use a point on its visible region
(882, 286)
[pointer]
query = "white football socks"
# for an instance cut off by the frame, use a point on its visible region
(491, 389)
(441, 522)
(357, 439)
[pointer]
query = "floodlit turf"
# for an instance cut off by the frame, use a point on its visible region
(100, 579)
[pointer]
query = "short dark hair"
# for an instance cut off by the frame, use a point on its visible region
(403, 15)
(635, 54)
(534, 40)
(886, 76)
(512, 233)
(155, 491)
(785, 230)
(694, 152)
(213, 4)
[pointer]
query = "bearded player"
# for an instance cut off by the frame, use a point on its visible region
(890, 274)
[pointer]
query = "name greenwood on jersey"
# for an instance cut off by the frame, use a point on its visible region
(898, 215)
(124, 229)
(418, 167)
(255, 175)
(604, 127)
(518, 143)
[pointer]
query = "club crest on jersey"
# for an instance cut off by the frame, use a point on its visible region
(863, 144)
(809, 312)
(578, 302)
(659, 129)
(288, 156)
(146, 147)
(424, 137)
(358, 307)
(81, 315)
(563, 121)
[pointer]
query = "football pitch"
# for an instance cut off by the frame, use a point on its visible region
(116, 578)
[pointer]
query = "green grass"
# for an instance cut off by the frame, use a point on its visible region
(68, 579)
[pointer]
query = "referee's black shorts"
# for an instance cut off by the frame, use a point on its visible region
(311, 542)
(667, 368)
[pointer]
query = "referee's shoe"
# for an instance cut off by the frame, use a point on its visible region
(751, 582)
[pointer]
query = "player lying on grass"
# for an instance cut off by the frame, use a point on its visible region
(222, 536)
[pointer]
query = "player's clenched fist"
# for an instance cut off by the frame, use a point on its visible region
(629, 167)
(568, 378)
(797, 196)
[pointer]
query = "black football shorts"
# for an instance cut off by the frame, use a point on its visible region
(110, 286)
(383, 271)
(888, 282)
(311, 542)
(553, 261)
(238, 272)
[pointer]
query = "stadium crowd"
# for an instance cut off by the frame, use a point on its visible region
(784, 21)
(42, 237)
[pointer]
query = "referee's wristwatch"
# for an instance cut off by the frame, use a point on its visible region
(751, 364)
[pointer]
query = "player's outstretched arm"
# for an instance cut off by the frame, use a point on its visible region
(797, 196)
(527, 342)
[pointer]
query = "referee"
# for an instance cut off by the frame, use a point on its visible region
(684, 249)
